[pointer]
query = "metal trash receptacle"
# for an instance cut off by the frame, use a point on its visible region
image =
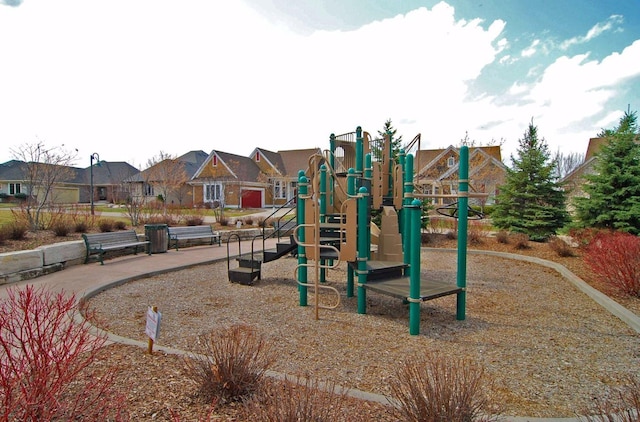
(158, 237)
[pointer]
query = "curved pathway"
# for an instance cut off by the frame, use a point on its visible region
(86, 281)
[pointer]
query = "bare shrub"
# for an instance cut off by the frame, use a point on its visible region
(194, 220)
(230, 363)
(16, 230)
(435, 388)
(248, 220)
(560, 247)
(81, 227)
(43, 355)
(615, 258)
(520, 241)
(260, 221)
(297, 400)
(119, 225)
(441, 225)
(223, 220)
(502, 237)
(618, 405)
(451, 235)
(475, 233)
(61, 228)
(105, 225)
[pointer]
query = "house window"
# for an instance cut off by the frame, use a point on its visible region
(213, 192)
(14, 188)
(214, 161)
(258, 156)
(148, 190)
(451, 162)
(280, 190)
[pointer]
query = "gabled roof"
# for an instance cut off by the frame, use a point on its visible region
(192, 161)
(272, 158)
(239, 167)
(296, 159)
(109, 173)
(429, 157)
(17, 170)
(488, 159)
(595, 145)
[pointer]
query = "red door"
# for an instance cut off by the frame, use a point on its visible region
(251, 198)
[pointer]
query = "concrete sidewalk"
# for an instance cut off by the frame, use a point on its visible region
(80, 279)
(89, 279)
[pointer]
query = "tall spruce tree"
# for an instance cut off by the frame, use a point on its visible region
(613, 191)
(396, 143)
(531, 200)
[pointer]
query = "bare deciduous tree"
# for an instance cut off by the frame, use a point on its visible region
(167, 176)
(566, 163)
(44, 168)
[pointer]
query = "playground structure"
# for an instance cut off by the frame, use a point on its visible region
(336, 197)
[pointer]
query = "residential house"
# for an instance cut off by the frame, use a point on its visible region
(108, 182)
(75, 184)
(280, 171)
(437, 173)
(170, 178)
(229, 180)
(573, 182)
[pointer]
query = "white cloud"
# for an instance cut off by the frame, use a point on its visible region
(612, 23)
(128, 79)
(531, 50)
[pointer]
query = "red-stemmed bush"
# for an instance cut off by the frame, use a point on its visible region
(615, 258)
(46, 359)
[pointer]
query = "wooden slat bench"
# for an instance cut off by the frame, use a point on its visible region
(193, 232)
(99, 243)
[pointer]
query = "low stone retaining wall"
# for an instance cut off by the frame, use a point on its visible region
(26, 265)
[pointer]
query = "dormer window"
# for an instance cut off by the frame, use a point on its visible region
(451, 162)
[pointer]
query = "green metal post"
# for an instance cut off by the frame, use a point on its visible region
(463, 211)
(351, 191)
(414, 261)
(390, 164)
(363, 248)
(332, 148)
(323, 214)
(332, 162)
(407, 200)
(302, 258)
(368, 174)
(359, 150)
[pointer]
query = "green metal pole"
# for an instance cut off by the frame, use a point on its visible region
(332, 162)
(363, 248)
(359, 150)
(463, 213)
(407, 200)
(414, 262)
(390, 164)
(323, 214)
(368, 175)
(302, 258)
(351, 191)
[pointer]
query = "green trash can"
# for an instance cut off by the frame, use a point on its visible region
(158, 237)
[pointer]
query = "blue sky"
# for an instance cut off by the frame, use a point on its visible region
(130, 79)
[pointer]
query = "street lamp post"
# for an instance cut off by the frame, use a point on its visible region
(96, 157)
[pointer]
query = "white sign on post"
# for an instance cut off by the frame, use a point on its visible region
(153, 324)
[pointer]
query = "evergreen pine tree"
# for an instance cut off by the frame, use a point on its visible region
(396, 143)
(613, 192)
(531, 200)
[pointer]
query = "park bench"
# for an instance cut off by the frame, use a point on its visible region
(193, 232)
(99, 243)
